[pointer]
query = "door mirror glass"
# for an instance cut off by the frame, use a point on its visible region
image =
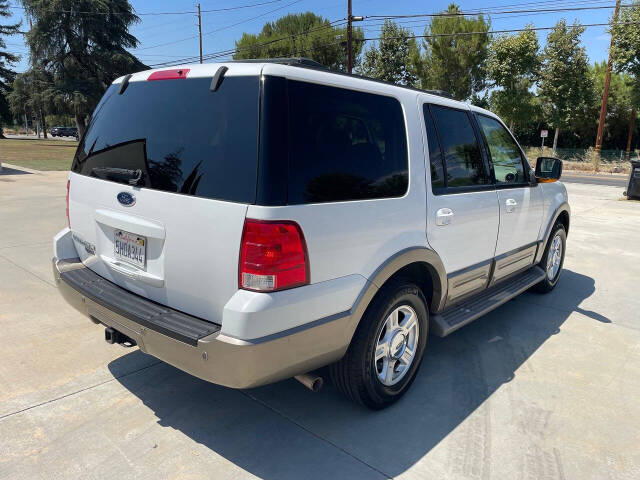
(548, 169)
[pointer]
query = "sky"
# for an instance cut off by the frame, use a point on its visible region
(165, 38)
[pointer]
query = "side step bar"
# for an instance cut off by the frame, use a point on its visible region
(451, 319)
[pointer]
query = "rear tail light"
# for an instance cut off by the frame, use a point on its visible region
(273, 256)
(67, 200)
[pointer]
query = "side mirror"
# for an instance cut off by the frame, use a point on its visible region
(548, 169)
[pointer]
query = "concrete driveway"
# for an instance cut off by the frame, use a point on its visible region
(546, 387)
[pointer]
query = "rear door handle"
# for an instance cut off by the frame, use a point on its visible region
(511, 205)
(444, 216)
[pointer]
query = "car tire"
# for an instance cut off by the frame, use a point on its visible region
(386, 350)
(552, 260)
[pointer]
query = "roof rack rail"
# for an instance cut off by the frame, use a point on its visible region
(292, 61)
(440, 93)
(308, 63)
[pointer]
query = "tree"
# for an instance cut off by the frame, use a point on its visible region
(82, 45)
(393, 59)
(455, 53)
(7, 60)
(30, 95)
(625, 51)
(565, 84)
(301, 35)
(512, 66)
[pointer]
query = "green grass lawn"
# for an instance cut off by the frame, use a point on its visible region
(38, 154)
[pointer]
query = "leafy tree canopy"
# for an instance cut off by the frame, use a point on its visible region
(82, 52)
(455, 53)
(513, 64)
(301, 35)
(565, 85)
(626, 46)
(394, 58)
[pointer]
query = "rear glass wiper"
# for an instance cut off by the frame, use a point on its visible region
(132, 177)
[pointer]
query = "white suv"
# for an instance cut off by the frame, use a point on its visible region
(249, 222)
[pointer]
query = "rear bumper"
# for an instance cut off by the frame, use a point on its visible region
(199, 347)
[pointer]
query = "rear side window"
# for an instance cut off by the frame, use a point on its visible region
(181, 135)
(462, 158)
(344, 145)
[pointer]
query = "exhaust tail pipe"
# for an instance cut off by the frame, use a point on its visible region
(112, 336)
(311, 381)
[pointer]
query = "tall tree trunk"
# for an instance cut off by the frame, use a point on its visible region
(43, 122)
(80, 123)
(2, 133)
(555, 139)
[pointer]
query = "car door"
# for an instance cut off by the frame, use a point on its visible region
(520, 200)
(462, 205)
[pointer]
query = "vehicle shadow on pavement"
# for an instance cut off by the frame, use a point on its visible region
(285, 431)
(13, 171)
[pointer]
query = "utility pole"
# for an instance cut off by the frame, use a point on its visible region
(631, 124)
(349, 16)
(607, 82)
(350, 20)
(200, 31)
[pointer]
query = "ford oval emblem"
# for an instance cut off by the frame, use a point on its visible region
(126, 199)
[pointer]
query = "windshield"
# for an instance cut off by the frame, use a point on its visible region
(177, 136)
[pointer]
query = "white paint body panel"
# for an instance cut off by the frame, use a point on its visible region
(192, 243)
(520, 224)
(470, 238)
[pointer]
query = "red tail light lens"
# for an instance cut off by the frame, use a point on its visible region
(273, 256)
(67, 200)
(169, 74)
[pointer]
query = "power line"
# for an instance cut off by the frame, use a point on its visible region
(491, 32)
(463, 14)
(183, 12)
(252, 18)
(227, 53)
(218, 29)
(231, 51)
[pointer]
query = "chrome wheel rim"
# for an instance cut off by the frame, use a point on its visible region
(396, 345)
(554, 258)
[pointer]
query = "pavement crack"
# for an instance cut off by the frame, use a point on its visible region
(312, 433)
(28, 271)
(6, 415)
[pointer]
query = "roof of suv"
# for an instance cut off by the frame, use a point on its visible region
(256, 66)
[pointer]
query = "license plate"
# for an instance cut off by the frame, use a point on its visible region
(130, 248)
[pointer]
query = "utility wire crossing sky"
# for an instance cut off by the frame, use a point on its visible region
(167, 30)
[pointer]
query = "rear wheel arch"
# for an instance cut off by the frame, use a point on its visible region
(419, 265)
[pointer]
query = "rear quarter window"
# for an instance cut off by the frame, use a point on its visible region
(344, 145)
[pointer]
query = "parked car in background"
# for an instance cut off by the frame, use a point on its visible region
(64, 132)
(251, 222)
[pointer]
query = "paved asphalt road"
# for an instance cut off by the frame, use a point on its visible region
(545, 387)
(601, 179)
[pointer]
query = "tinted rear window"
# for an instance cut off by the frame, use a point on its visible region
(185, 138)
(344, 145)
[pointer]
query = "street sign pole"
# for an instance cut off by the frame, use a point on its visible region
(544, 134)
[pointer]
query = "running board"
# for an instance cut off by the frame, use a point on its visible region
(467, 311)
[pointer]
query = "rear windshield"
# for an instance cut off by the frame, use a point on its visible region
(183, 137)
